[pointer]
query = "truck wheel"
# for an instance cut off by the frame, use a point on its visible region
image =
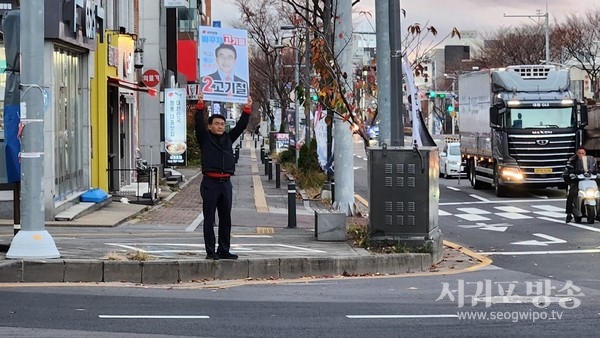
(473, 177)
(500, 190)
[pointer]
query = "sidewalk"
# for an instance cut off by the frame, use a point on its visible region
(108, 244)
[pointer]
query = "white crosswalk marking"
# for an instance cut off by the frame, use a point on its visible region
(550, 214)
(511, 209)
(444, 213)
(548, 208)
(513, 215)
(475, 211)
(472, 217)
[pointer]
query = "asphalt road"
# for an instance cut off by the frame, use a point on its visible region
(361, 307)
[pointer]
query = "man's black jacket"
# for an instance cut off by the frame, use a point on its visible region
(217, 151)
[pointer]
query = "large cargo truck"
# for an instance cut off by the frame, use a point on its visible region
(518, 126)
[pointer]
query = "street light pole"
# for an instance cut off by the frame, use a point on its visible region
(296, 103)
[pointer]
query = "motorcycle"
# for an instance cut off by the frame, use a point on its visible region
(588, 199)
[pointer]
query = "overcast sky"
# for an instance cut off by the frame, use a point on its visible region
(482, 15)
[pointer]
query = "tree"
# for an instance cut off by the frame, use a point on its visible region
(269, 82)
(520, 45)
(578, 39)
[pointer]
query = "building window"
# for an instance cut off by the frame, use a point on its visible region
(68, 123)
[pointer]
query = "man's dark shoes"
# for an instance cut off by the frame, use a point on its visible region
(569, 218)
(212, 256)
(227, 255)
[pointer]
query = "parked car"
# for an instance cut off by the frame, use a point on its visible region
(450, 161)
(373, 131)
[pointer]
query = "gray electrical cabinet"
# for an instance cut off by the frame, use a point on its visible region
(404, 194)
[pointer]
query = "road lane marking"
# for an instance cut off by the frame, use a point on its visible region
(538, 252)
(400, 316)
(481, 198)
(549, 240)
(150, 317)
(195, 223)
(453, 188)
(576, 225)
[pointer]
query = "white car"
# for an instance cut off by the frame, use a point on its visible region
(450, 160)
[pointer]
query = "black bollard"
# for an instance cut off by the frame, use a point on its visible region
(277, 175)
(332, 190)
(270, 169)
(262, 155)
(237, 154)
(291, 205)
(267, 159)
(255, 143)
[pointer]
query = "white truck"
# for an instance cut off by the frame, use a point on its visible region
(518, 126)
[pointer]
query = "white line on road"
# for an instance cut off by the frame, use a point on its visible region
(399, 316)
(150, 317)
(195, 223)
(483, 199)
(504, 201)
(524, 253)
(453, 188)
(580, 226)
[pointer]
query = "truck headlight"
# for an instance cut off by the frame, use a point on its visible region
(511, 174)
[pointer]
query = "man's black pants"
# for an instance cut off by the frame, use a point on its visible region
(571, 197)
(216, 196)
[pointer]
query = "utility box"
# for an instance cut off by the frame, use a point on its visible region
(404, 196)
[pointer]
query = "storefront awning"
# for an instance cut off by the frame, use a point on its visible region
(114, 81)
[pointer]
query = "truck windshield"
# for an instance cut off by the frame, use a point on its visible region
(552, 117)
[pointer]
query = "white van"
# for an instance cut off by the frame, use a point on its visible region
(450, 160)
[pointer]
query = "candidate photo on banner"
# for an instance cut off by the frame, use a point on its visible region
(223, 53)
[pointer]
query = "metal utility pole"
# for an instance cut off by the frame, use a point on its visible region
(383, 69)
(344, 145)
(33, 241)
(397, 119)
(547, 29)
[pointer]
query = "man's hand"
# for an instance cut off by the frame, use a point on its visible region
(200, 104)
(249, 103)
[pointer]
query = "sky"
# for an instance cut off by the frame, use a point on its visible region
(485, 16)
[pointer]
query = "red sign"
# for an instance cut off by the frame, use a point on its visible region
(151, 78)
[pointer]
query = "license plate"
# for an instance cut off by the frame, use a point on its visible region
(542, 170)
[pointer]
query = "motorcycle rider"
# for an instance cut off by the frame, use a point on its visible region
(579, 163)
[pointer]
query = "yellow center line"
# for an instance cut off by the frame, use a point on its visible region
(361, 200)
(259, 195)
(254, 168)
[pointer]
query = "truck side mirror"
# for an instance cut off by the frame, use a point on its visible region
(494, 117)
(583, 115)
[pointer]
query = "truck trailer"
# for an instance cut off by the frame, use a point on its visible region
(518, 126)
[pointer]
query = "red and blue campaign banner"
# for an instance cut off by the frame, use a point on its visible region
(223, 54)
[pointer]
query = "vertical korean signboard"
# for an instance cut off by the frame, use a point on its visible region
(175, 126)
(223, 54)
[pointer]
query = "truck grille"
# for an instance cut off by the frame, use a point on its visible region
(541, 158)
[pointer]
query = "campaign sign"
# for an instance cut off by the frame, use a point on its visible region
(223, 54)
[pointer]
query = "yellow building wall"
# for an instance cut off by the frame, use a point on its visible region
(99, 109)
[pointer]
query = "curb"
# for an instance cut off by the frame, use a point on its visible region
(173, 272)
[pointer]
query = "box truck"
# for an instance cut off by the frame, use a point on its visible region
(518, 126)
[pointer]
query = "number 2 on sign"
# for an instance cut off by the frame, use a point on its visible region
(208, 82)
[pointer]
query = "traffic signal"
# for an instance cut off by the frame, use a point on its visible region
(314, 97)
(433, 95)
